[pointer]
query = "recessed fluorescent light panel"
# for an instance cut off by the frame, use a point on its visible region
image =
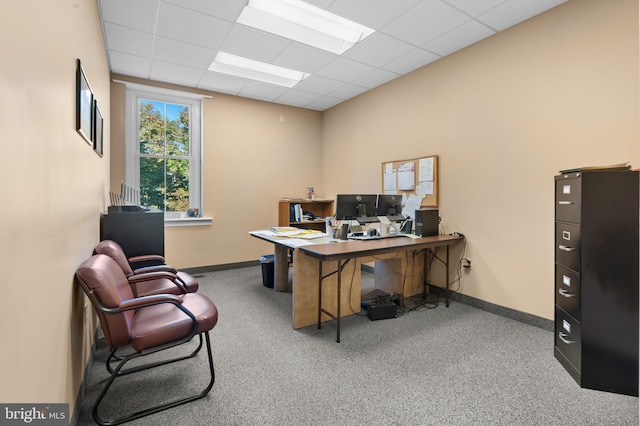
(254, 70)
(302, 22)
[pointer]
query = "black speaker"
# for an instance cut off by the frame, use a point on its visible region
(344, 231)
(427, 222)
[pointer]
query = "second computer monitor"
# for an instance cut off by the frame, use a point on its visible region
(354, 206)
(390, 205)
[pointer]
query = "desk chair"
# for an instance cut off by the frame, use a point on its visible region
(159, 278)
(144, 325)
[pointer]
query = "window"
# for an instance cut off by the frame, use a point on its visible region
(164, 149)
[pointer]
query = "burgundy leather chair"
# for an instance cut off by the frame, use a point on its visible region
(159, 278)
(144, 325)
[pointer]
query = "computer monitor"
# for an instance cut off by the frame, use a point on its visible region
(390, 205)
(354, 206)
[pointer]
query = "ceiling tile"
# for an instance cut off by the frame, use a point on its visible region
(474, 7)
(324, 102)
(424, 22)
(348, 91)
(178, 52)
(413, 60)
(128, 40)
(222, 83)
(139, 14)
(372, 13)
(124, 63)
(319, 85)
(191, 27)
(375, 78)
(304, 58)
(229, 10)
(297, 98)
(172, 73)
(512, 12)
(463, 36)
(254, 44)
(378, 49)
(263, 91)
(344, 69)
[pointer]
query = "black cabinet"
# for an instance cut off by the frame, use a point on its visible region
(596, 278)
(138, 231)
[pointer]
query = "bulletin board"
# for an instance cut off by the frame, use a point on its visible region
(417, 176)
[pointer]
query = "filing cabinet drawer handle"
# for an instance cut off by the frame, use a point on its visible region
(565, 293)
(564, 203)
(566, 248)
(565, 338)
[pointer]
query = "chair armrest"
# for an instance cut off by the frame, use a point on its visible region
(146, 269)
(150, 276)
(155, 275)
(141, 302)
(147, 258)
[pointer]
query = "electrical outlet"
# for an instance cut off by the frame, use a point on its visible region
(466, 263)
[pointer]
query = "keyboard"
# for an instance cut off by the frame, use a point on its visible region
(365, 236)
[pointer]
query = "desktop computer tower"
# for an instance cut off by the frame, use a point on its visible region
(427, 221)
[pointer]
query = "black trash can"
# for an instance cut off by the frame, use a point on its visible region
(267, 262)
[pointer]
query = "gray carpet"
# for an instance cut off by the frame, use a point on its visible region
(442, 366)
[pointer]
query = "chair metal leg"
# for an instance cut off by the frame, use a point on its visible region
(157, 408)
(115, 357)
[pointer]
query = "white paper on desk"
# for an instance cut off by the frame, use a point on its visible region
(413, 204)
(312, 235)
(294, 242)
(264, 233)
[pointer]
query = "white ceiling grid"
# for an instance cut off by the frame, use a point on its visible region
(175, 41)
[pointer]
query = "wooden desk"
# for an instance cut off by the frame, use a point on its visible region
(345, 252)
(317, 287)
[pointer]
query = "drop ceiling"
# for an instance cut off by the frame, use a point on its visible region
(175, 41)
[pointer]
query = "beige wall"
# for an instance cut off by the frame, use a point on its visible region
(504, 116)
(54, 187)
(255, 153)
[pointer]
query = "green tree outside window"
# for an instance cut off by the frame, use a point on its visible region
(164, 155)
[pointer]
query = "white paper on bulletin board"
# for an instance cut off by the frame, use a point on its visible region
(424, 188)
(425, 169)
(406, 176)
(425, 177)
(390, 186)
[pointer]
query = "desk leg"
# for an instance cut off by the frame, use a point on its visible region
(446, 274)
(319, 294)
(339, 300)
(281, 268)
(337, 315)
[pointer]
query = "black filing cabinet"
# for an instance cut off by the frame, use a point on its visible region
(596, 278)
(136, 230)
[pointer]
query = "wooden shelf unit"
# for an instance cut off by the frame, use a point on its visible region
(320, 208)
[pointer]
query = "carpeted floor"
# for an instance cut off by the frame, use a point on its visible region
(442, 366)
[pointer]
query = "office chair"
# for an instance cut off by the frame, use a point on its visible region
(145, 325)
(150, 279)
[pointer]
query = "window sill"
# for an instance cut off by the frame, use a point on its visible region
(187, 221)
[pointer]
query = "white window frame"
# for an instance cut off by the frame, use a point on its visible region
(134, 93)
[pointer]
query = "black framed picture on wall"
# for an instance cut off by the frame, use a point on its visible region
(84, 105)
(98, 132)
